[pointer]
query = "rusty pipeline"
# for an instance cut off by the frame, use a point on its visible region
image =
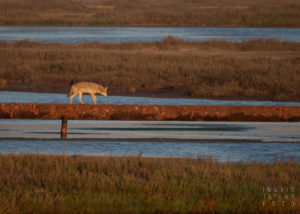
(149, 112)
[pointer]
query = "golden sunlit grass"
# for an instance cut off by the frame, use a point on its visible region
(260, 69)
(81, 184)
(250, 13)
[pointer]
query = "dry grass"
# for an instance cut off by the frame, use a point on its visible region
(250, 13)
(3, 83)
(262, 69)
(80, 184)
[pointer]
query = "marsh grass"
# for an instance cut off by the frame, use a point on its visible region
(260, 69)
(3, 83)
(249, 13)
(83, 184)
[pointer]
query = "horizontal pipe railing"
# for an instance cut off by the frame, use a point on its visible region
(67, 112)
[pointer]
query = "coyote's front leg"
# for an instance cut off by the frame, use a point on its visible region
(71, 97)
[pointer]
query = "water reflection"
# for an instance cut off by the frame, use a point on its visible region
(71, 34)
(26, 97)
(222, 151)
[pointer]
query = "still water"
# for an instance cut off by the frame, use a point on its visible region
(222, 140)
(223, 151)
(25, 97)
(71, 34)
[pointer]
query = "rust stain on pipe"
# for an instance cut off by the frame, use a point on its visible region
(149, 112)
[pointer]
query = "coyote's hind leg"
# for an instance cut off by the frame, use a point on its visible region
(94, 98)
(80, 96)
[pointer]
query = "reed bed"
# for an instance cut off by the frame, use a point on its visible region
(83, 184)
(260, 69)
(249, 13)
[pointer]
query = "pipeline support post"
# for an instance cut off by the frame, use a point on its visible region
(64, 126)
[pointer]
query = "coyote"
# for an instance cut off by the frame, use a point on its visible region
(86, 87)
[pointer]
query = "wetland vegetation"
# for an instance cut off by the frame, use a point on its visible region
(258, 69)
(84, 184)
(217, 13)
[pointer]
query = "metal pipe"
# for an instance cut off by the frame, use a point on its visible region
(149, 112)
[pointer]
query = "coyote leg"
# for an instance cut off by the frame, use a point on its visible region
(71, 97)
(94, 98)
(80, 95)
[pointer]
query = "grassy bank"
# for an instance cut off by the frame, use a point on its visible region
(79, 184)
(249, 13)
(263, 69)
